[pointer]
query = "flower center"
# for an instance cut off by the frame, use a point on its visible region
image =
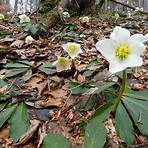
(62, 61)
(122, 51)
(72, 48)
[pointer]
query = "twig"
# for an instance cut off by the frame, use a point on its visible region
(138, 145)
(129, 6)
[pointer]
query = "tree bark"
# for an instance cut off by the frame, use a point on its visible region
(78, 6)
(131, 7)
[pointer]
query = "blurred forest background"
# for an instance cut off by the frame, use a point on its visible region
(21, 6)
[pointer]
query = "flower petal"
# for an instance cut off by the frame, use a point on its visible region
(62, 64)
(136, 46)
(132, 61)
(120, 35)
(106, 48)
(76, 52)
(139, 37)
(116, 66)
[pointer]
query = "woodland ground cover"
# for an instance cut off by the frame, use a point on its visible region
(40, 106)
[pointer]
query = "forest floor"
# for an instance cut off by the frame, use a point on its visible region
(60, 102)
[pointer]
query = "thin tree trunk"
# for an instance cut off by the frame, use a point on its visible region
(16, 6)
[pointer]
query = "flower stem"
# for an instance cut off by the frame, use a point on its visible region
(121, 91)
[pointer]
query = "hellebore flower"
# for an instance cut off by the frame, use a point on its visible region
(85, 19)
(65, 14)
(29, 40)
(1, 16)
(122, 50)
(62, 64)
(73, 49)
(24, 18)
(116, 16)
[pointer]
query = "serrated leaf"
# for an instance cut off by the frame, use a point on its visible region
(16, 65)
(5, 114)
(95, 135)
(124, 125)
(14, 72)
(55, 141)
(19, 122)
(138, 109)
(78, 88)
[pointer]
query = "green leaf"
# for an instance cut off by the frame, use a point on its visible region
(143, 95)
(26, 27)
(47, 68)
(138, 109)
(102, 112)
(19, 122)
(95, 132)
(14, 72)
(27, 75)
(2, 106)
(103, 86)
(89, 104)
(5, 114)
(34, 29)
(124, 125)
(78, 88)
(3, 96)
(88, 73)
(55, 141)
(2, 83)
(25, 62)
(95, 135)
(16, 65)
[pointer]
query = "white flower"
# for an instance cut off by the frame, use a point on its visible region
(1, 16)
(129, 14)
(65, 14)
(62, 64)
(29, 40)
(117, 16)
(73, 49)
(24, 18)
(84, 19)
(141, 9)
(122, 50)
(137, 9)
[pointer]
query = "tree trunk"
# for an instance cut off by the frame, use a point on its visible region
(78, 6)
(16, 6)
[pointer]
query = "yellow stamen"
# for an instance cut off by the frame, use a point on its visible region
(122, 51)
(72, 49)
(63, 61)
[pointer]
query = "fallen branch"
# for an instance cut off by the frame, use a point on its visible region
(129, 6)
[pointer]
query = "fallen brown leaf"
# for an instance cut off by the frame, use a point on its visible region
(50, 101)
(4, 133)
(59, 93)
